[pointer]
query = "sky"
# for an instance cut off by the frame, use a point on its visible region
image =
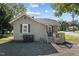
(44, 10)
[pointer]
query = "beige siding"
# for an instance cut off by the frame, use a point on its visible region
(37, 29)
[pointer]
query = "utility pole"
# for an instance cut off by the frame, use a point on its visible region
(73, 15)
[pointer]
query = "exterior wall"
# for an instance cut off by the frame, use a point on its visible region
(52, 38)
(37, 29)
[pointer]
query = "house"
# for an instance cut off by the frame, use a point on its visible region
(40, 28)
(73, 27)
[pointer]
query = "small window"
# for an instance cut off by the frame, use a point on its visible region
(25, 28)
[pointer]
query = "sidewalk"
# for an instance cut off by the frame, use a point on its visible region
(72, 33)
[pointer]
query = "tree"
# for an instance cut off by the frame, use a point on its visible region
(71, 8)
(8, 11)
(76, 23)
(64, 25)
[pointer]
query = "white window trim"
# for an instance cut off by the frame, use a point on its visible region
(23, 28)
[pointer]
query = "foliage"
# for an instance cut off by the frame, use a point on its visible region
(72, 8)
(64, 25)
(76, 23)
(6, 35)
(66, 8)
(77, 31)
(70, 37)
(8, 11)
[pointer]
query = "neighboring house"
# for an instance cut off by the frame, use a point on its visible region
(71, 28)
(41, 28)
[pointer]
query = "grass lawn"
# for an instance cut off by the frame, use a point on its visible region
(6, 38)
(6, 35)
(77, 32)
(70, 37)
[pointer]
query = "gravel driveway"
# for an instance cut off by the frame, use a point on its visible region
(37, 49)
(26, 49)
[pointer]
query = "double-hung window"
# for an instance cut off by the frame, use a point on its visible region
(25, 28)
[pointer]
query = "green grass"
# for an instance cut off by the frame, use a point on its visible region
(6, 38)
(70, 37)
(6, 35)
(77, 32)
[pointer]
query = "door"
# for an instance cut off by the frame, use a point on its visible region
(49, 31)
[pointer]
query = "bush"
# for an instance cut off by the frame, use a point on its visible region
(5, 35)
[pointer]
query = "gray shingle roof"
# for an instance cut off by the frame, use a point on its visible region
(44, 21)
(47, 21)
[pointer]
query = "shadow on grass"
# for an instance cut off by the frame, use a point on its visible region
(26, 49)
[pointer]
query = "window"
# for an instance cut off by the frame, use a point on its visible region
(25, 28)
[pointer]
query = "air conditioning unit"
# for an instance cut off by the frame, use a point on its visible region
(28, 38)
